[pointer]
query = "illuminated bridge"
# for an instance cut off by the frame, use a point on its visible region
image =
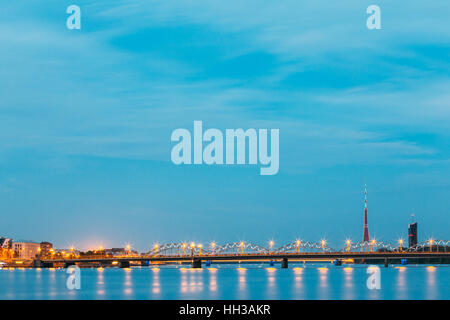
(431, 251)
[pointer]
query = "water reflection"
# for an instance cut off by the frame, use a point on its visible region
(213, 281)
(191, 281)
(299, 291)
(431, 292)
(323, 283)
(228, 282)
(271, 283)
(128, 290)
(242, 283)
(156, 285)
(348, 287)
(100, 284)
(401, 287)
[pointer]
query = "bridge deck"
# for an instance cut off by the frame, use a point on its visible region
(261, 257)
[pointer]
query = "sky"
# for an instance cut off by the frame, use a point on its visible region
(86, 118)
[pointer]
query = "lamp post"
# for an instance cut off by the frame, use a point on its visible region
(297, 244)
(323, 242)
(192, 248)
(431, 245)
(270, 246)
(213, 246)
(200, 249)
(400, 242)
(348, 244)
(242, 244)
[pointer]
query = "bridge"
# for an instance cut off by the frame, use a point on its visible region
(432, 251)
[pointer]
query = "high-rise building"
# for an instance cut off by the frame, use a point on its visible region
(412, 234)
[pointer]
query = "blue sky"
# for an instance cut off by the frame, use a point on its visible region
(86, 118)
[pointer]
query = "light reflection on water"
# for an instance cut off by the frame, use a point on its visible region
(251, 281)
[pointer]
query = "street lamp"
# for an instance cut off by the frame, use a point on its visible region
(297, 244)
(128, 247)
(213, 246)
(373, 244)
(400, 242)
(323, 242)
(242, 244)
(184, 245)
(192, 247)
(348, 243)
(431, 244)
(200, 249)
(270, 245)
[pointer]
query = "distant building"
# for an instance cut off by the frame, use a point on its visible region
(412, 234)
(45, 248)
(26, 249)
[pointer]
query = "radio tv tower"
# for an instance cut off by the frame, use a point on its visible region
(366, 238)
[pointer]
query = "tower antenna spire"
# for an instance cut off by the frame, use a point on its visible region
(366, 238)
(365, 196)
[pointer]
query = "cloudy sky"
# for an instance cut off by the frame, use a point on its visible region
(86, 117)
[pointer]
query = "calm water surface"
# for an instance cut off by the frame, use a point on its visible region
(310, 281)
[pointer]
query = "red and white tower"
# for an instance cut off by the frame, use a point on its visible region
(366, 238)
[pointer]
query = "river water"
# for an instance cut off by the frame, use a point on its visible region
(310, 281)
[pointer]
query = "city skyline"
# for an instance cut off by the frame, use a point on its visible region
(87, 115)
(366, 240)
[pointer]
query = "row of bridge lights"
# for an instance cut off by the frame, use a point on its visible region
(192, 246)
(213, 245)
(298, 244)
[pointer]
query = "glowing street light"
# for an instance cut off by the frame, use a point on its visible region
(400, 242)
(184, 245)
(128, 247)
(431, 244)
(192, 247)
(323, 243)
(200, 249)
(271, 245)
(373, 243)
(298, 244)
(242, 244)
(213, 246)
(348, 244)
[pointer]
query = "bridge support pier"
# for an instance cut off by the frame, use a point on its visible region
(68, 264)
(145, 263)
(47, 264)
(37, 263)
(124, 264)
(196, 263)
(284, 263)
(386, 262)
